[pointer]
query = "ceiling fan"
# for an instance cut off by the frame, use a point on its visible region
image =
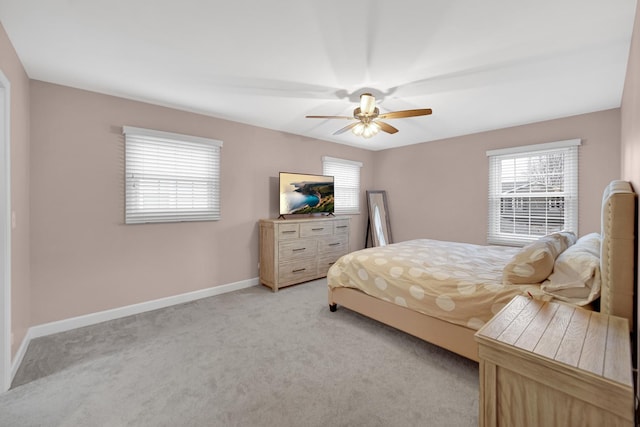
(368, 117)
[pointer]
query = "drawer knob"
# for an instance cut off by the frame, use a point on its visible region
(341, 226)
(298, 249)
(299, 270)
(288, 231)
(317, 229)
(334, 244)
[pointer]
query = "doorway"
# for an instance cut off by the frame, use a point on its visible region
(5, 236)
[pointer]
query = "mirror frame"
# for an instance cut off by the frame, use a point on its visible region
(378, 227)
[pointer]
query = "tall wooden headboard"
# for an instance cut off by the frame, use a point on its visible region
(618, 254)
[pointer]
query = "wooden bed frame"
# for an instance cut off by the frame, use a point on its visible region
(617, 267)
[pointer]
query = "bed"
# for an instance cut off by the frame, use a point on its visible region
(443, 292)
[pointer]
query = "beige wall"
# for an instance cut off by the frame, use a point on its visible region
(630, 112)
(84, 259)
(439, 190)
(19, 124)
(630, 135)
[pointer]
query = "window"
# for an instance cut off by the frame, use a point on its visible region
(171, 177)
(347, 183)
(533, 191)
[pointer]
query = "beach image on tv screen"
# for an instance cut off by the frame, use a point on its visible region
(303, 194)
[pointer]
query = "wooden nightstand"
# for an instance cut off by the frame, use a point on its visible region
(553, 364)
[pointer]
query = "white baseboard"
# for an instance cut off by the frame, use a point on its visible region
(22, 350)
(116, 313)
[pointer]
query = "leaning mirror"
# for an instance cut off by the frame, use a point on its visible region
(378, 228)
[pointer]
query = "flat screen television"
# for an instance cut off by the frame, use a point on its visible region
(306, 194)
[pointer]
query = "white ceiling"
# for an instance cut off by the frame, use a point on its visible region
(480, 65)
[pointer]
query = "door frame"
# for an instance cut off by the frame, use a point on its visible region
(5, 234)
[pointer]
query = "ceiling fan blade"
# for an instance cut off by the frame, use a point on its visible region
(386, 127)
(406, 113)
(330, 117)
(346, 128)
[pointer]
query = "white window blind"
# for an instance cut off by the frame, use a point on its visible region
(171, 177)
(346, 175)
(533, 191)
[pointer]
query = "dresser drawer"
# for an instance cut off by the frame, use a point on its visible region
(320, 228)
(296, 249)
(326, 261)
(341, 226)
(330, 244)
(297, 271)
(288, 231)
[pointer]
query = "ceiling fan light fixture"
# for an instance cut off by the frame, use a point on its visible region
(367, 103)
(368, 129)
(358, 129)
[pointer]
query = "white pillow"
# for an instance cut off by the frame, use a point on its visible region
(576, 273)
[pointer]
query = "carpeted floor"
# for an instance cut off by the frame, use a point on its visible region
(247, 358)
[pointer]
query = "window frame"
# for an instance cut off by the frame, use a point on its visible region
(569, 149)
(343, 167)
(178, 174)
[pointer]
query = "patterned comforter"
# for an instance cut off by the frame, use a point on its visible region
(457, 282)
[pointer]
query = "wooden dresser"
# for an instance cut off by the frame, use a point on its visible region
(552, 364)
(297, 250)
